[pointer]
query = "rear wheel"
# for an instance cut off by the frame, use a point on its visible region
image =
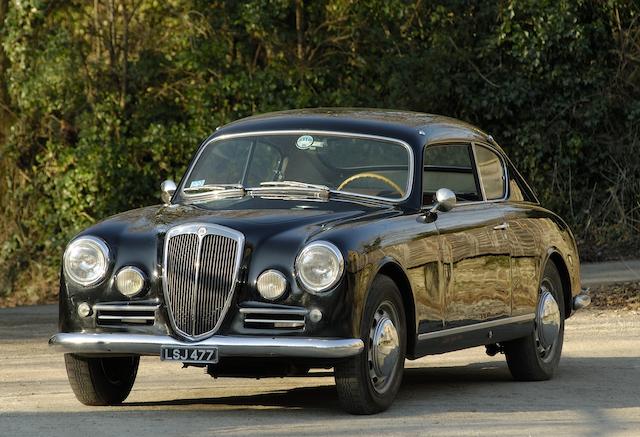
(369, 382)
(536, 356)
(101, 381)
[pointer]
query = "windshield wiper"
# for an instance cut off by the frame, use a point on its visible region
(217, 191)
(290, 190)
(294, 184)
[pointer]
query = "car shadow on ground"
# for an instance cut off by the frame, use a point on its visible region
(580, 383)
(588, 397)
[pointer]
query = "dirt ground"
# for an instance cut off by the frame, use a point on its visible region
(464, 393)
(625, 296)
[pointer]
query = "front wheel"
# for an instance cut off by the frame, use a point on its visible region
(536, 356)
(101, 381)
(368, 383)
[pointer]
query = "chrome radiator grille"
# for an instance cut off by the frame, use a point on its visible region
(201, 264)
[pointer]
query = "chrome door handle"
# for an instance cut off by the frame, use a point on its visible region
(501, 227)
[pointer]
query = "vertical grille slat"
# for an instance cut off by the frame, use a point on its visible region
(201, 265)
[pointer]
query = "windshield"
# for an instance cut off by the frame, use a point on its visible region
(349, 164)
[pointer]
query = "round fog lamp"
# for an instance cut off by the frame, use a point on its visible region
(271, 284)
(130, 281)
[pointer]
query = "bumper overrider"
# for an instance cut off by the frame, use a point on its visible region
(105, 344)
(582, 300)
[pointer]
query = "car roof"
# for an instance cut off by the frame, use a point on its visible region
(415, 128)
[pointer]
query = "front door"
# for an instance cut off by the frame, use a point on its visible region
(475, 251)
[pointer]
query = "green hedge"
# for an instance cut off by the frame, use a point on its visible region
(105, 100)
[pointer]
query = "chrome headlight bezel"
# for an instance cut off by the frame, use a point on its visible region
(103, 254)
(329, 249)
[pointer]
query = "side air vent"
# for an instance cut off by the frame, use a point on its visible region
(125, 314)
(274, 318)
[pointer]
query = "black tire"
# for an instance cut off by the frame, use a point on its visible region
(357, 390)
(101, 381)
(526, 357)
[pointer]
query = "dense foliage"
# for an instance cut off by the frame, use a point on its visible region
(102, 100)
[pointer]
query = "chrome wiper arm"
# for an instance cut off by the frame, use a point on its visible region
(213, 188)
(205, 193)
(290, 190)
(293, 184)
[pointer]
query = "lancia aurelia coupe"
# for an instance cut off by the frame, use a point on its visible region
(350, 239)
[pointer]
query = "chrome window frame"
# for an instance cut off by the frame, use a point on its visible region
(411, 163)
(472, 144)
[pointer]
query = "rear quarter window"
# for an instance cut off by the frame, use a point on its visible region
(492, 172)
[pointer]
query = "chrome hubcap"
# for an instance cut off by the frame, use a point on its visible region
(548, 320)
(384, 347)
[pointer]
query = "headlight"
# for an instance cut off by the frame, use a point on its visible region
(319, 266)
(271, 284)
(86, 260)
(130, 281)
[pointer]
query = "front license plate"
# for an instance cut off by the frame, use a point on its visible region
(189, 354)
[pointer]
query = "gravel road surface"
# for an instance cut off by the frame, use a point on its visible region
(466, 393)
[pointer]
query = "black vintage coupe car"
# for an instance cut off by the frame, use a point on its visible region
(329, 238)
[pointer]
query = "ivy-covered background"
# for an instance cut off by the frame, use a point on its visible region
(102, 100)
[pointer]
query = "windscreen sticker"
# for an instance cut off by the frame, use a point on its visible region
(304, 142)
(197, 183)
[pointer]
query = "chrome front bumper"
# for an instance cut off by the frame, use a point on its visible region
(140, 344)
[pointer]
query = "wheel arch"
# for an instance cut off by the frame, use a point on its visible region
(393, 270)
(556, 258)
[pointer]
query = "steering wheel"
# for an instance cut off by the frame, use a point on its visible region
(369, 175)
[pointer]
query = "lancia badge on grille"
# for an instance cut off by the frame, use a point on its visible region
(202, 231)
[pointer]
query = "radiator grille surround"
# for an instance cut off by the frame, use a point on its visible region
(200, 267)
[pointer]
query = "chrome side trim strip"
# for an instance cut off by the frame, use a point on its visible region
(476, 326)
(245, 346)
(292, 311)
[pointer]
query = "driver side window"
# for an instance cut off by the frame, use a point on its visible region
(449, 166)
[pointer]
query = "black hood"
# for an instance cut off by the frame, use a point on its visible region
(274, 230)
(254, 217)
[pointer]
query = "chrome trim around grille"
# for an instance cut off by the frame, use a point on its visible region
(244, 346)
(192, 298)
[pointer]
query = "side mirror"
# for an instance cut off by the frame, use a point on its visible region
(445, 201)
(167, 189)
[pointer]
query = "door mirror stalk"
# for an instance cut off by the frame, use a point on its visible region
(445, 200)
